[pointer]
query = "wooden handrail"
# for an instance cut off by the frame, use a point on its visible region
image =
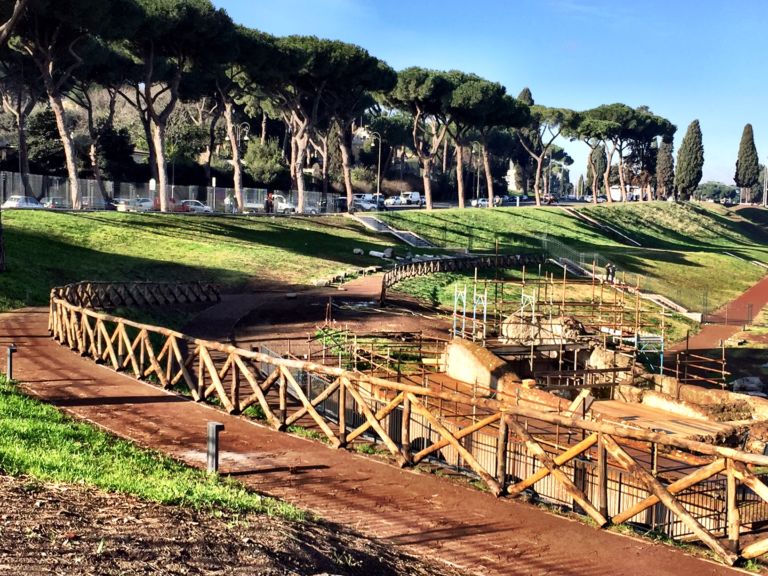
(214, 369)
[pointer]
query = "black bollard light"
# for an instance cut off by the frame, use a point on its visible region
(9, 368)
(213, 445)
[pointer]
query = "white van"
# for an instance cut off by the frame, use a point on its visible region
(411, 198)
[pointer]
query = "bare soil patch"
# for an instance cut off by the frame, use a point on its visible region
(71, 529)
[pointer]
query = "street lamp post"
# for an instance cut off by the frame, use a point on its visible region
(242, 130)
(378, 166)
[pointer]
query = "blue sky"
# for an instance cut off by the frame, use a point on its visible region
(685, 59)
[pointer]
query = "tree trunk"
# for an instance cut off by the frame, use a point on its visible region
(151, 154)
(158, 139)
(622, 180)
(426, 166)
(93, 155)
(460, 173)
(324, 172)
(8, 25)
(229, 113)
(146, 124)
(263, 136)
(69, 146)
(211, 143)
(286, 142)
(387, 163)
(445, 155)
(607, 174)
(292, 163)
(346, 167)
(24, 157)
(93, 149)
(20, 112)
(302, 141)
(488, 175)
(537, 179)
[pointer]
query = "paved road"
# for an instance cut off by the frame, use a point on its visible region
(427, 515)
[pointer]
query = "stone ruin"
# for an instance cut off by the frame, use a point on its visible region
(541, 330)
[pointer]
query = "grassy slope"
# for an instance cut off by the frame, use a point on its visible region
(683, 244)
(46, 249)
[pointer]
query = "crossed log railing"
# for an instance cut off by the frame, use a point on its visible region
(455, 264)
(487, 435)
(106, 295)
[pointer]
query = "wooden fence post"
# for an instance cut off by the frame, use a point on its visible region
(734, 521)
(342, 412)
(282, 414)
(120, 348)
(405, 433)
(602, 476)
(502, 446)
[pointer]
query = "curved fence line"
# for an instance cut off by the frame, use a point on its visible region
(506, 440)
(106, 295)
(454, 264)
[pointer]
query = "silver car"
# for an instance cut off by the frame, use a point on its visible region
(195, 206)
(19, 201)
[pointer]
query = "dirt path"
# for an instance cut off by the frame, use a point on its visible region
(711, 335)
(426, 514)
(219, 321)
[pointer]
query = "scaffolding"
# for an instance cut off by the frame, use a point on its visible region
(478, 321)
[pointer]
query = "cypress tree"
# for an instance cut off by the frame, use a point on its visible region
(690, 161)
(580, 186)
(525, 97)
(665, 170)
(747, 165)
(598, 159)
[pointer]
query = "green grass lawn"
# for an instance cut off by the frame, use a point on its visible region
(683, 253)
(46, 249)
(38, 441)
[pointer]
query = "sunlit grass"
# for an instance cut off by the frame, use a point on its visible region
(46, 249)
(697, 255)
(37, 440)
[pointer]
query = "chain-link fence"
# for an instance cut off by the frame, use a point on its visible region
(54, 191)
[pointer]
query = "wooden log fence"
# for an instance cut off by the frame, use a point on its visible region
(455, 264)
(349, 405)
(109, 295)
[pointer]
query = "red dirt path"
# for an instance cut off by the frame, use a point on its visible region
(428, 515)
(711, 335)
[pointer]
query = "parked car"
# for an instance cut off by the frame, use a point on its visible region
(479, 202)
(393, 201)
(19, 201)
(54, 203)
(122, 204)
(411, 198)
(549, 199)
(364, 203)
(195, 206)
(144, 205)
(334, 206)
(280, 205)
